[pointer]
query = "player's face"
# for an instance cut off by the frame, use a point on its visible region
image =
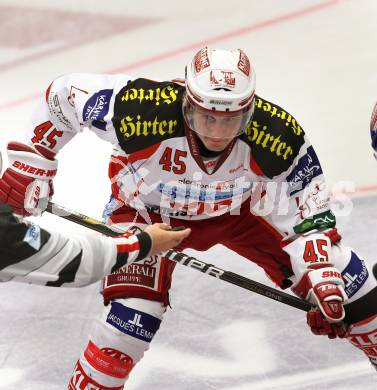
(216, 131)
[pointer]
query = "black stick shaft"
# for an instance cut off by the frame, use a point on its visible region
(186, 260)
(237, 280)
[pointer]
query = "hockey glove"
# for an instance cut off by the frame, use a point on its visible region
(27, 184)
(323, 287)
(320, 326)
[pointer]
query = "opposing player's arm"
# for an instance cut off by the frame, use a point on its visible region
(31, 254)
(373, 130)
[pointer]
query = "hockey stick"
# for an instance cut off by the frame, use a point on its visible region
(373, 129)
(186, 260)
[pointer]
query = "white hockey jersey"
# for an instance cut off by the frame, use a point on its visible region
(157, 166)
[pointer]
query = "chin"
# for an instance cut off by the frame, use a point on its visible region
(216, 145)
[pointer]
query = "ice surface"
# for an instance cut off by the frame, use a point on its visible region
(316, 59)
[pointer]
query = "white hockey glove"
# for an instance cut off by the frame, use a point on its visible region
(27, 184)
(324, 287)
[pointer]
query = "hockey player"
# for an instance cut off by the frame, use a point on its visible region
(238, 169)
(373, 130)
(31, 254)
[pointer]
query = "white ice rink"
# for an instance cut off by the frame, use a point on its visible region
(317, 59)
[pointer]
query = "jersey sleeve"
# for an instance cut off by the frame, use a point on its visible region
(33, 255)
(74, 102)
(301, 211)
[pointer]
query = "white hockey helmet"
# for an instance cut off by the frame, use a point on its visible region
(221, 84)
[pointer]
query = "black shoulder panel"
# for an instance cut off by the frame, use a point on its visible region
(147, 112)
(274, 136)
